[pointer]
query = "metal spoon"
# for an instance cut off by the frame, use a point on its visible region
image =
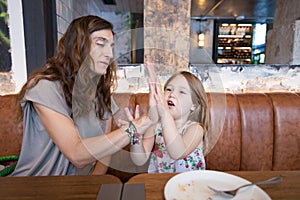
(232, 193)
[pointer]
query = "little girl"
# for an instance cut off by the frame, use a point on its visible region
(178, 141)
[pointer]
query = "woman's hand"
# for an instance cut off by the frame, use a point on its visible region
(129, 116)
(142, 123)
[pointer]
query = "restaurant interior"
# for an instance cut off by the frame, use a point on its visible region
(245, 52)
(265, 59)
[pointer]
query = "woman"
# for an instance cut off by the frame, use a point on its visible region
(67, 105)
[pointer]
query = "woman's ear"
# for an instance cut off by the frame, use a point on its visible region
(193, 107)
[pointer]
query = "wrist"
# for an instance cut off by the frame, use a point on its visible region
(132, 133)
(142, 124)
(165, 116)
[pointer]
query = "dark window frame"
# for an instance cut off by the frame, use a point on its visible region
(40, 30)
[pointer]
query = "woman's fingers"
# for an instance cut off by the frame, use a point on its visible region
(130, 117)
(137, 112)
(128, 114)
(121, 122)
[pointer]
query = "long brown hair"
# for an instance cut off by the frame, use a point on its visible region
(199, 98)
(71, 51)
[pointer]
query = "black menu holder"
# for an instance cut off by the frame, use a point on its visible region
(133, 192)
(110, 192)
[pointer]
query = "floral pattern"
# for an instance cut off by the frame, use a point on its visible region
(160, 161)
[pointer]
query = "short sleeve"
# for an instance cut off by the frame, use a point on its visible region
(48, 94)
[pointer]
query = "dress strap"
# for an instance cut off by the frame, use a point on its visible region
(185, 126)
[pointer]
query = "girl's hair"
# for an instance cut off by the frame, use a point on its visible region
(72, 49)
(199, 98)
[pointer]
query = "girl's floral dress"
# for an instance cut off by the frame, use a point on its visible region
(161, 162)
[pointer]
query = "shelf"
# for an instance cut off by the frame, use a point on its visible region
(220, 47)
(234, 36)
(222, 58)
(242, 47)
(233, 61)
(234, 43)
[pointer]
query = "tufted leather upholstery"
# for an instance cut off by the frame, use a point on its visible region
(251, 131)
(11, 130)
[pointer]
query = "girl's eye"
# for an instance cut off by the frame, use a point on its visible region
(182, 92)
(168, 89)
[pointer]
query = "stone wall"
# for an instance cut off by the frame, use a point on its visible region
(296, 50)
(221, 78)
(280, 40)
(67, 10)
(226, 78)
(167, 34)
(249, 78)
(7, 83)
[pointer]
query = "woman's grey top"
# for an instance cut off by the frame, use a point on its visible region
(39, 154)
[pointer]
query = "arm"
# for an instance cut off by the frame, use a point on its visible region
(152, 81)
(140, 153)
(102, 165)
(178, 146)
(82, 152)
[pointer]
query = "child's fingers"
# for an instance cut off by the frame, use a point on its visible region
(151, 71)
(158, 90)
(151, 85)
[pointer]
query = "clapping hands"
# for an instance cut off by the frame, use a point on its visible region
(153, 86)
(157, 104)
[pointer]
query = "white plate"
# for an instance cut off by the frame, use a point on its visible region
(193, 185)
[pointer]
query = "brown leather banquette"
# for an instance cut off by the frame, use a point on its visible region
(249, 131)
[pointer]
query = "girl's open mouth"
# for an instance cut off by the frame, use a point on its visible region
(170, 103)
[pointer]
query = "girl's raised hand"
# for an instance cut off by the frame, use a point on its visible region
(161, 104)
(152, 81)
(151, 72)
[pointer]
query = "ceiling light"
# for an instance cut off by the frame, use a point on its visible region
(201, 39)
(240, 17)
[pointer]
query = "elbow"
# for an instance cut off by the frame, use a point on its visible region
(176, 156)
(77, 162)
(79, 157)
(138, 161)
(79, 165)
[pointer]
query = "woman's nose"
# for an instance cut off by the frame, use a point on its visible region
(109, 52)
